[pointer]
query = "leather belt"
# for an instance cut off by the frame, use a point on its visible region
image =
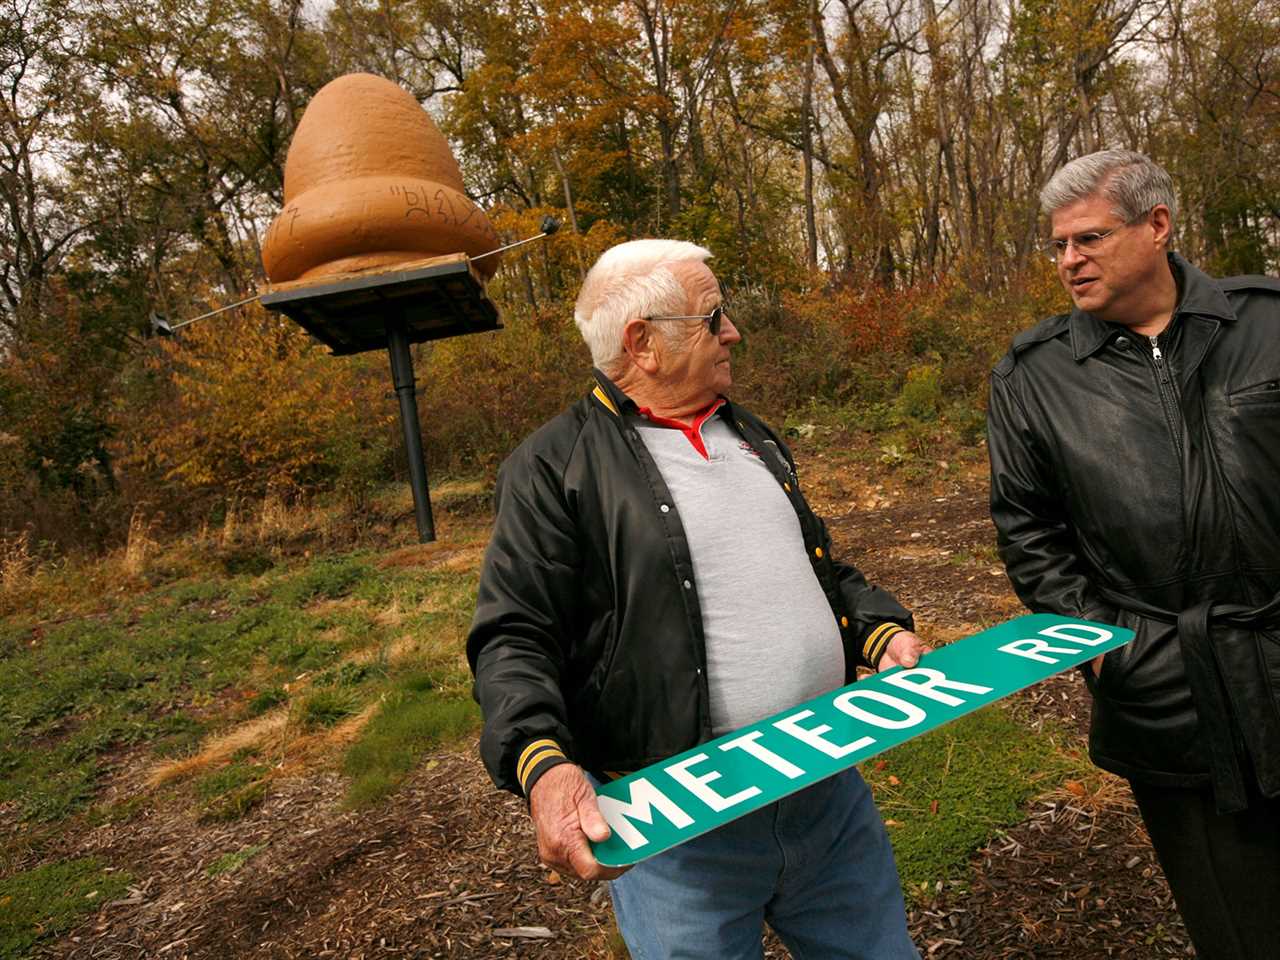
(1205, 677)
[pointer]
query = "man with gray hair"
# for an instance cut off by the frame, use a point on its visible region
(1135, 452)
(656, 579)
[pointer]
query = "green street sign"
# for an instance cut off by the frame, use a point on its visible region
(678, 799)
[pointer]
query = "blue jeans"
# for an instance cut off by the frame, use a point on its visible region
(817, 866)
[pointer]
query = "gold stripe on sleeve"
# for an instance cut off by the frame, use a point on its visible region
(535, 759)
(535, 747)
(879, 640)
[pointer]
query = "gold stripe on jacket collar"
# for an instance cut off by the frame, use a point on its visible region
(603, 397)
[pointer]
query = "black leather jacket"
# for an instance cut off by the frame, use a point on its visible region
(1140, 484)
(587, 641)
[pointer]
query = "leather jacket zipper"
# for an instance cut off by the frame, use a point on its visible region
(1163, 380)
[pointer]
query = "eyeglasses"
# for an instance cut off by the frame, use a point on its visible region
(1086, 244)
(712, 319)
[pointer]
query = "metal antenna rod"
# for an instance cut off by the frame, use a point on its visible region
(549, 226)
(168, 329)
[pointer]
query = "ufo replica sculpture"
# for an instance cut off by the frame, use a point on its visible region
(378, 245)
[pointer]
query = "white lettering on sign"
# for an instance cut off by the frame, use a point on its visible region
(911, 714)
(644, 799)
(697, 785)
(747, 744)
(927, 683)
(1034, 649)
(813, 736)
(1065, 631)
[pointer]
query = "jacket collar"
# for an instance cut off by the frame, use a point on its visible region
(607, 395)
(1200, 296)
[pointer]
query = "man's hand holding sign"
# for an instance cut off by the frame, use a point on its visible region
(567, 820)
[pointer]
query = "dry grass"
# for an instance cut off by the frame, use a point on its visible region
(1098, 792)
(276, 734)
(140, 543)
(279, 734)
(392, 615)
(941, 634)
(463, 560)
(402, 648)
(230, 524)
(258, 733)
(279, 520)
(321, 748)
(418, 555)
(17, 563)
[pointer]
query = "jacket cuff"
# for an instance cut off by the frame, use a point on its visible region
(877, 642)
(535, 759)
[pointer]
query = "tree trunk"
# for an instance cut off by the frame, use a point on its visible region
(806, 140)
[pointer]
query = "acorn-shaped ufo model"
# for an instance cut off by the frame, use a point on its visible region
(374, 248)
(370, 183)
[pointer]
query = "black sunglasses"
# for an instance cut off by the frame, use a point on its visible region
(711, 319)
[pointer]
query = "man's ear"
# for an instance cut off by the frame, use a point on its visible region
(640, 344)
(1161, 224)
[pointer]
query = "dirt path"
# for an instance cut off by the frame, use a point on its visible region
(447, 867)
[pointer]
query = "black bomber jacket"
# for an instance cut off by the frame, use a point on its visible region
(1138, 483)
(587, 642)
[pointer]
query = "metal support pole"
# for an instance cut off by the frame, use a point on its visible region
(402, 377)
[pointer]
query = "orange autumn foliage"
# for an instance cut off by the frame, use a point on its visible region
(256, 405)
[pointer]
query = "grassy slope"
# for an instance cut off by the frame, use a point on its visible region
(167, 662)
(215, 665)
(947, 793)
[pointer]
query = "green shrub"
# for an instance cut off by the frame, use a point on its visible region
(235, 804)
(228, 794)
(54, 787)
(949, 791)
(350, 675)
(233, 861)
(921, 394)
(323, 580)
(245, 561)
(227, 780)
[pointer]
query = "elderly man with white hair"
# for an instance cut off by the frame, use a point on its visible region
(656, 579)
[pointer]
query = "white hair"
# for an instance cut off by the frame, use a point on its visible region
(630, 280)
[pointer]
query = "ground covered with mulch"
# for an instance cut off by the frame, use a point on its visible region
(447, 867)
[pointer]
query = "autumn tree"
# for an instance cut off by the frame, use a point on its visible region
(1224, 83)
(41, 217)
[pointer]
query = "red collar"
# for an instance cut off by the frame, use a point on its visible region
(694, 430)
